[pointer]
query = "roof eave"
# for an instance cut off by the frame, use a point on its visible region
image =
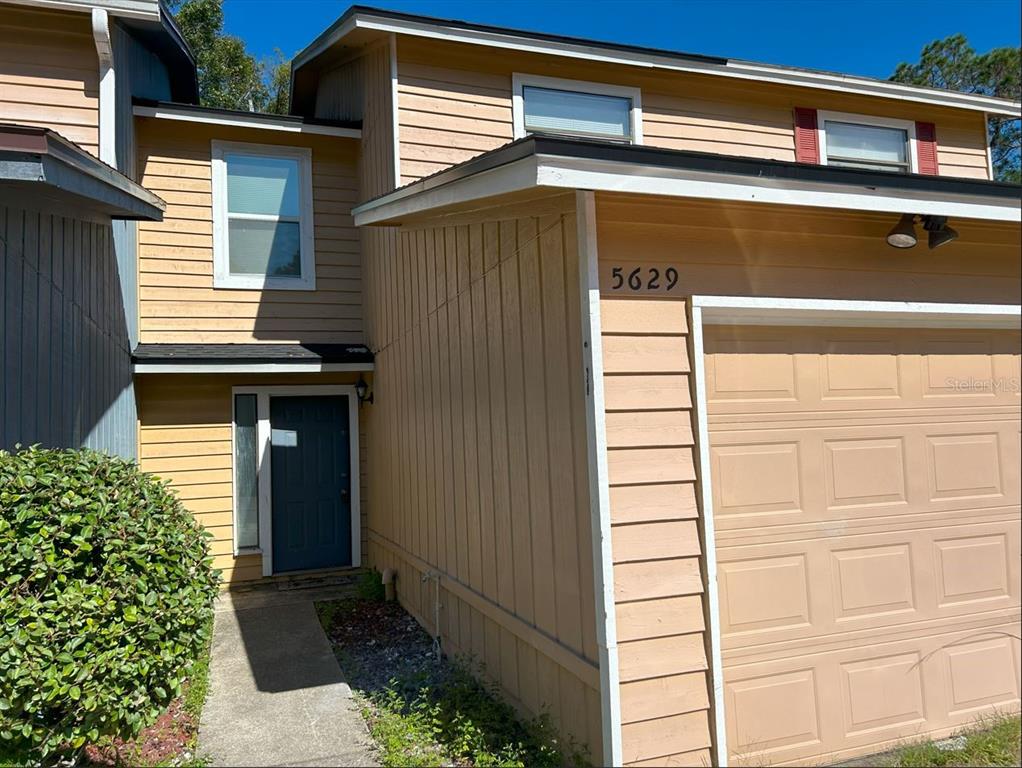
(359, 17)
(37, 159)
(571, 164)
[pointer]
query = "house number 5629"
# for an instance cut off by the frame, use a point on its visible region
(640, 278)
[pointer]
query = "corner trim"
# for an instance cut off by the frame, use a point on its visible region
(745, 310)
(395, 118)
(599, 484)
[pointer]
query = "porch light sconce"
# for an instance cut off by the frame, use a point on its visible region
(362, 392)
(903, 234)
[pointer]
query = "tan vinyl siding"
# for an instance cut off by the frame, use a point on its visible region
(455, 103)
(185, 437)
(177, 300)
(49, 73)
(723, 250)
(962, 148)
(479, 462)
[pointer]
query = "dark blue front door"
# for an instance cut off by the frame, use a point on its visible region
(311, 482)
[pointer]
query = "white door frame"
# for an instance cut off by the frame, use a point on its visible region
(264, 466)
(761, 310)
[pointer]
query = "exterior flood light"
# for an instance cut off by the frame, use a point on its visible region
(903, 234)
(939, 232)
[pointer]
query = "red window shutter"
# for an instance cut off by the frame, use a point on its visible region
(807, 140)
(926, 148)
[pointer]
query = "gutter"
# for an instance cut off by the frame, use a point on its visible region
(107, 87)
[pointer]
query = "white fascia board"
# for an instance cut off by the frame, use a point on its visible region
(238, 121)
(147, 10)
(735, 69)
(610, 176)
(512, 177)
(218, 367)
(757, 310)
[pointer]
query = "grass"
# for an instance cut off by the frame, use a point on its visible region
(993, 741)
(457, 720)
(430, 713)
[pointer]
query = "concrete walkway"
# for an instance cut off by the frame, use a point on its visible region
(277, 696)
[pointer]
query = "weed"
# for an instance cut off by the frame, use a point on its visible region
(992, 741)
(370, 587)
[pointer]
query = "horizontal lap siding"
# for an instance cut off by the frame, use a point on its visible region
(184, 437)
(962, 148)
(455, 103)
(49, 73)
(655, 536)
(177, 300)
(479, 464)
(723, 250)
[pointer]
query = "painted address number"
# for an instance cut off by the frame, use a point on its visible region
(643, 279)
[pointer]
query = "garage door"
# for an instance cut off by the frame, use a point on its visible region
(866, 502)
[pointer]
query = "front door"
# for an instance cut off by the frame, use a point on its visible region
(311, 482)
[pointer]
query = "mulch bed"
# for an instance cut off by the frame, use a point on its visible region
(379, 642)
(168, 739)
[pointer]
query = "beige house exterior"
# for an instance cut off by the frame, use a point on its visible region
(655, 425)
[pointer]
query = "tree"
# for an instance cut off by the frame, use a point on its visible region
(952, 64)
(277, 76)
(229, 76)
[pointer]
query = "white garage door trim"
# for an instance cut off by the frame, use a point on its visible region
(760, 310)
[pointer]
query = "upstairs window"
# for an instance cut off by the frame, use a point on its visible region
(576, 108)
(262, 217)
(873, 144)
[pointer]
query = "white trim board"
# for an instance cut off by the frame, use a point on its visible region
(759, 310)
(264, 465)
(240, 121)
(594, 51)
(599, 483)
(221, 367)
(148, 10)
(613, 176)
(521, 80)
(222, 275)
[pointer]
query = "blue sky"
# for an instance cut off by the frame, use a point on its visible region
(863, 37)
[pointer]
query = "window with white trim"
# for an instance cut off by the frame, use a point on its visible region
(576, 108)
(869, 143)
(262, 217)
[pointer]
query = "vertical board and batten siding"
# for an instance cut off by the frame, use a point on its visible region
(65, 352)
(478, 455)
(177, 300)
(455, 103)
(49, 73)
(184, 436)
(138, 73)
(720, 250)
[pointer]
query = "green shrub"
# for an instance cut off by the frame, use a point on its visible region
(106, 589)
(370, 587)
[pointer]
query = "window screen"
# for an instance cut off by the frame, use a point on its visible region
(580, 114)
(263, 216)
(867, 146)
